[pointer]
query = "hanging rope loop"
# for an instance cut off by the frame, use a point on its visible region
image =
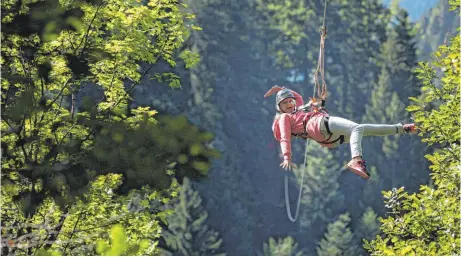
(322, 94)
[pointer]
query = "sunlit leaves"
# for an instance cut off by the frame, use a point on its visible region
(190, 58)
(89, 223)
(172, 79)
(48, 122)
(67, 79)
(119, 244)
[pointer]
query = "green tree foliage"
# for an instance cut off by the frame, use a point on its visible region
(369, 225)
(321, 198)
(367, 228)
(90, 219)
(281, 247)
(118, 245)
(427, 222)
(55, 140)
(68, 114)
(187, 232)
(395, 84)
(338, 239)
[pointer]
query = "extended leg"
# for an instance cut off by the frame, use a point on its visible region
(354, 132)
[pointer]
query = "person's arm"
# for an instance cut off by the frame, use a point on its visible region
(298, 97)
(285, 136)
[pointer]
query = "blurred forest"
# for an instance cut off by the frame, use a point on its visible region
(140, 128)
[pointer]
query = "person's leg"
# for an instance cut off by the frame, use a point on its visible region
(340, 126)
(382, 129)
(354, 132)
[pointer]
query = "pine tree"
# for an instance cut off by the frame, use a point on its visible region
(321, 198)
(367, 228)
(338, 240)
(281, 247)
(435, 28)
(369, 225)
(402, 56)
(399, 56)
(381, 100)
(187, 232)
(388, 99)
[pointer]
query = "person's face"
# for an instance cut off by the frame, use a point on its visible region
(287, 105)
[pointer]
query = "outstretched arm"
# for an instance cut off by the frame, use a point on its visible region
(272, 91)
(285, 141)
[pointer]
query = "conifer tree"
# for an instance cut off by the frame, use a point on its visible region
(321, 198)
(186, 232)
(367, 228)
(281, 247)
(435, 28)
(338, 239)
(388, 99)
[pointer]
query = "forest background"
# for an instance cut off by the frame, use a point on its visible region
(140, 128)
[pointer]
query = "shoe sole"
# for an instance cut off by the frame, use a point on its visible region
(361, 174)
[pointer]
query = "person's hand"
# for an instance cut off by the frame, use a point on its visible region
(273, 90)
(287, 165)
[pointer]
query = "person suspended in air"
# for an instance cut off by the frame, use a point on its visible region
(294, 119)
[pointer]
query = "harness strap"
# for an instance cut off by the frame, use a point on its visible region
(340, 138)
(327, 127)
(305, 135)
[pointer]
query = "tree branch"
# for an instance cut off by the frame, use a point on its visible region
(48, 107)
(59, 94)
(54, 236)
(72, 108)
(73, 232)
(85, 38)
(18, 133)
(130, 90)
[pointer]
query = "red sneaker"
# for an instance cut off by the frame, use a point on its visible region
(410, 128)
(359, 168)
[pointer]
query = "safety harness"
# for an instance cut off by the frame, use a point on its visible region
(304, 135)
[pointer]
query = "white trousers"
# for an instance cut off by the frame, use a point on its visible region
(354, 132)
